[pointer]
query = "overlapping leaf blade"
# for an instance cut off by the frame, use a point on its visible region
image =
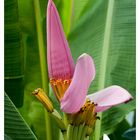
(15, 126)
(14, 53)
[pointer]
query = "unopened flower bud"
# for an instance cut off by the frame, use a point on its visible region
(43, 98)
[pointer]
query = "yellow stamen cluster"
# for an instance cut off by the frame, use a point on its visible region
(43, 98)
(86, 115)
(60, 86)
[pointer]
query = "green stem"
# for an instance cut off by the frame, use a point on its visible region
(98, 127)
(84, 132)
(75, 133)
(65, 119)
(87, 138)
(104, 59)
(64, 135)
(43, 63)
(80, 131)
(70, 132)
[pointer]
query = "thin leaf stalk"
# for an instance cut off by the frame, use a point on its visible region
(104, 58)
(70, 132)
(80, 131)
(41, 45)
(87, 138)
(65, 119)
(83, 135)
(64, 135)
(75, 133)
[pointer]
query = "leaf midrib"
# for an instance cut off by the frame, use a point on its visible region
(104, 58)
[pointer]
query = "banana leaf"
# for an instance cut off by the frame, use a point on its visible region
(14, 53)
(15, 126)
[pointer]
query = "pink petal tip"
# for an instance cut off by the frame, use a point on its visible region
(109, 97)
(60, 62)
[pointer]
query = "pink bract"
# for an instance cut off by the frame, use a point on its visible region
(60, 62)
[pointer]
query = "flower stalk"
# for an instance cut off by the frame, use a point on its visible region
(75, 132)
(81, 126)
(43, 63)
(104, 59)
(64, 133)
(84, 131)
(70, 132)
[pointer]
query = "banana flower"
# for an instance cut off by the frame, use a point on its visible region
(70, 82)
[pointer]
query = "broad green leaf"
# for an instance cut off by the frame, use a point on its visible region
(66, 14)
(114, 116)
(15, 126)
(107, 33)
(14, 53)
(78, 8)
(6, 137)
